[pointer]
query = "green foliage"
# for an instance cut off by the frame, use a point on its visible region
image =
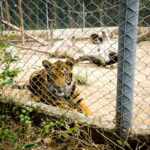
(60, 133)
(30, 146)
(60, 129)
(7, 57)
(7, 135)
(24, 116)
(49, 126)
(7, 74)
(81, 80)
(2, 46)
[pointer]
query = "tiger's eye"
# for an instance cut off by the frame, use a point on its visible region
(53, 77)
(70, 75)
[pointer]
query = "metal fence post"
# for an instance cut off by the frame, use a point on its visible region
(129, 10)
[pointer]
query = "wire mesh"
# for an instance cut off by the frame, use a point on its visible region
(59, 30)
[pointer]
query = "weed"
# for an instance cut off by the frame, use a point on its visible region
(30, 146)
(7, 58)
(58, 132)
(51, 126)
(24, 116)
(7, 135)
(81, 80)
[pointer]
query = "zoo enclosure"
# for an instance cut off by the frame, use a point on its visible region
(51, 20)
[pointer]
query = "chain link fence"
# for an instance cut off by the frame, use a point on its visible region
(33, 31)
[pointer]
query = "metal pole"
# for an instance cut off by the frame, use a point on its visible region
(102, 15)
(47, 21)
(129, 10)
(7, 8)
(83, 15)
(1, 17)
(21, 21)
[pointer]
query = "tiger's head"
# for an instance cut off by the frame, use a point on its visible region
(98, 38)
(60, 77)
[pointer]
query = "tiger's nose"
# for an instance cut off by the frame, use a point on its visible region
(68, 82)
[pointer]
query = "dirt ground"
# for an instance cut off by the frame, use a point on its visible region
(100, 90)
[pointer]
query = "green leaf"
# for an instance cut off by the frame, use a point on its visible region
(73, 130)
(7, 134)
(7, 81)
(30, 146)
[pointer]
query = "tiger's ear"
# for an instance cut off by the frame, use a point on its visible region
(94, 36)
(46, 64)
(70, 62)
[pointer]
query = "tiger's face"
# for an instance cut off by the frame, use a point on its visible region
(98, 38)
(60, 78)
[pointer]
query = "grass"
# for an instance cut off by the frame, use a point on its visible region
(14, 136)
(3, 45)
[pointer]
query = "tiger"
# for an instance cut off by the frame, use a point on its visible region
(54, 84)
(100, 61)
(105, 58)
(98, 39)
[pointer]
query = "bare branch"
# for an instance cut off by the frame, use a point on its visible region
(41, 41)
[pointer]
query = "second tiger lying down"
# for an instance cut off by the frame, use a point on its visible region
(55, 84)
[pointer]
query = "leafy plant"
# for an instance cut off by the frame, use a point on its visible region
(30, 146)
(81, 80)
(7, 135)
(7, 58)
(49, 126)
(25, 116)
(60, 129)
(7, 76)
